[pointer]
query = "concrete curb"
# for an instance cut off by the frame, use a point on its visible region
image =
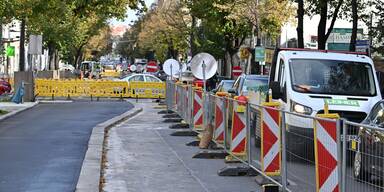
(89, 179)
(56, 101)
(8, 115)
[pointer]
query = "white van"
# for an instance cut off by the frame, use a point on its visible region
(302, 80)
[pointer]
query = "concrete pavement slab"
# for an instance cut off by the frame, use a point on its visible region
(142, 156)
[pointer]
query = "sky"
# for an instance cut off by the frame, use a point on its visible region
(131, 15)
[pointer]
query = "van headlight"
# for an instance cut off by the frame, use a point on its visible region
(299, 108)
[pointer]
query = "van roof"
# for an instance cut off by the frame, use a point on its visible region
(323, 54)
(322, 51)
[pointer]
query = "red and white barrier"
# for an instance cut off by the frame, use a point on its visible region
(239, 131)
(198, 109)
(270, 141)
(219, 120)
(326, 150)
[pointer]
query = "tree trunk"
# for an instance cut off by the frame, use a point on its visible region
(51, 56)
(321, 39)
(322, 35)
(192, 37)
(355, 17)
(78, 56)
(56, 59)
(22, 48)
(1, 37)
(300, 24)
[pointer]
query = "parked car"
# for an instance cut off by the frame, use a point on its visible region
(224, 86)
(161, 75)
(5, 86)
(242, 86)
(369, 156)
(246, 83)
(140, 78)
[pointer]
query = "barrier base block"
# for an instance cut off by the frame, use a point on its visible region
(184, 134)
(173, 120)
(271, 188)
(193, 143)
(241, 170)
(173, 115)
(210, 155)
(262, 181)
(160, 107)
(179, 126)
(160, 102)
(231, 159)
(165, 112)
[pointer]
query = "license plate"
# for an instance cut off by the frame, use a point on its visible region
(351, 138)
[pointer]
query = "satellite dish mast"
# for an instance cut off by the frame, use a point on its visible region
(203, 66)
(171, 67)
(132, 68)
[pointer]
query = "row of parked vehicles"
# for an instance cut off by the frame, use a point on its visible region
(303, 80)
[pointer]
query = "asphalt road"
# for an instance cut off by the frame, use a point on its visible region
(42, 149)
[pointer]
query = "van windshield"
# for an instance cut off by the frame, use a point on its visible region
(332, 77)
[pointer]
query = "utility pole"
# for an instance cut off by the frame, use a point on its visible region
(22, 48)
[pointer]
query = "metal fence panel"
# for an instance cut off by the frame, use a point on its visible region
(364, 152)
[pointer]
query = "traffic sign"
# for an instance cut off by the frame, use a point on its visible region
(10, 51)
(236, 71)
(244, 53)
(152, 67)
(259, 54)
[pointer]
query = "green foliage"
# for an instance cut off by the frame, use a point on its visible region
(66, 25)
(378, 27)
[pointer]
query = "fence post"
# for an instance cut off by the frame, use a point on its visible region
(225, 120)
(283, 153)
(190, 92)
(248, 128)
(344, 160)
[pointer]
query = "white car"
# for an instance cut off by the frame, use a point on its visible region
(141, 78)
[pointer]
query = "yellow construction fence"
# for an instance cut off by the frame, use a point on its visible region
(98, 88)
(110, 73)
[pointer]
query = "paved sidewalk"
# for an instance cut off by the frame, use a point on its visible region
(10, 106)
(143, 157)
(13, 108)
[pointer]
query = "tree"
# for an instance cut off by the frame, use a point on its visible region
(377, 27)
(300, 23)
(126, 46)
(268, 15)
(326, 9)
(67, 26)
(99, 45)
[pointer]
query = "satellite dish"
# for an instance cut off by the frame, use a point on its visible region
(171, 67)
(132, 68)
(199, 70)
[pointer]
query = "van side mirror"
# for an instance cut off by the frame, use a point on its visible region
(232, 91)
(276, 90)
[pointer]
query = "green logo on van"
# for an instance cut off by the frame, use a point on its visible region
(344, 102)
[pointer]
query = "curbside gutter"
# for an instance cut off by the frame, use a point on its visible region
(91, 170)
(10, 114)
